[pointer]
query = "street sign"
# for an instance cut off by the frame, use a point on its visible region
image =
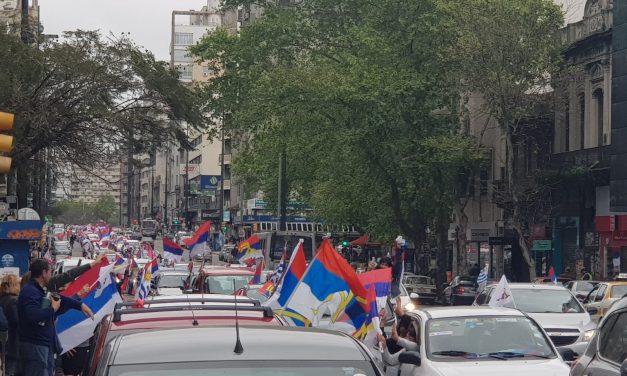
(500, 240)
(542, 245)
(226, 216)
(479, 234)
(192, 169)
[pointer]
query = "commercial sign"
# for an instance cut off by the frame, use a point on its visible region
(256, 204)
(207, 214)
(192, 169)
(542, 245)
(209, 182)
(620, 235)
(500, 240)
(226, 216)
(271, 218)
(479, 234)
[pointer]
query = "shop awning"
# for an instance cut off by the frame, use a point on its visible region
(361, 241)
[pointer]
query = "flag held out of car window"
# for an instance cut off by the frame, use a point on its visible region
(502, 295)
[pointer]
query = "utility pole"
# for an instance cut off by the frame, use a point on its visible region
(25, 27)
(167, 186)
(186, 185)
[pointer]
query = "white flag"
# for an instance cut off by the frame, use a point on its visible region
(502, 295)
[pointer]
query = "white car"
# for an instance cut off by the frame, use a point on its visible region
(479, 341)
(552, 306)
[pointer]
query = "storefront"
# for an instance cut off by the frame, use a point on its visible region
(612, 231)
(15, 238)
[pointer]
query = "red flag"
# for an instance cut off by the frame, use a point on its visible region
(88, 278)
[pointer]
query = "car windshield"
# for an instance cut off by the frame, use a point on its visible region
(171, 280)
(618, 291)
(417, 280)
(243, 368)
(223, 284)
(485, 337)
(545, 301)
(584, 286)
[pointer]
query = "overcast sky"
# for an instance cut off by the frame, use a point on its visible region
(148, 21)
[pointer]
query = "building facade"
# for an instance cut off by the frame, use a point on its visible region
(89, 187)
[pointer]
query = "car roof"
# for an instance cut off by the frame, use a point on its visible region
(191, 310)
(535, 286)
(217, 271)
(173, 272)
(463, 311)
(217, 343)
(615, 283)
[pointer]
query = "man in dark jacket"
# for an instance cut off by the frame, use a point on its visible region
(37, 313)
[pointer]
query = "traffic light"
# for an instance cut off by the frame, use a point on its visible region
(6, 141)
(224, 228)
(344, 243)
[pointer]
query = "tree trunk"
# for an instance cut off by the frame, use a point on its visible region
(462, 256)
(23, 183)
(442, 226)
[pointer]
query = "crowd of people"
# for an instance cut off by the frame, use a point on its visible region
(28, 310)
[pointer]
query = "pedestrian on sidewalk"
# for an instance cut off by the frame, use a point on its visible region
(9, 291)
(37, 311)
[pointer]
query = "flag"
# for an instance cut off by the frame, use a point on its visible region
(249, 250)
(552, 275)
(120, 265)
(257, 277)
(381, 280)
(48, 257)
(293, 274)
(371, 328)
(482, 279)
(267, 289)
(502, 295)
(73, 327)
(143, 288)
(154, 267)
(278, 273)
(150, 251)
(88, 278)
(328, 285)
(196, 244)
(172, 251)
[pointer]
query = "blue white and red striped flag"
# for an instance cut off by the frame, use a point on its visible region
(172, 251)
(196, 244)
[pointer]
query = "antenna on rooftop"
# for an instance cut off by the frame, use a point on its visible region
(239, 349)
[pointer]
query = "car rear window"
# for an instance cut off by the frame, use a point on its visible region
(247, 368)
(618, 291)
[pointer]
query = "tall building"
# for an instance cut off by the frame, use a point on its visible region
(89, 186)
(11, 15)
(202, 198)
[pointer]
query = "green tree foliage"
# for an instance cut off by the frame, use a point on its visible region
(509, 52)
(358, 96)
(78, 212)
(84, 101)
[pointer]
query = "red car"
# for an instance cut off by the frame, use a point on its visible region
(171, 312)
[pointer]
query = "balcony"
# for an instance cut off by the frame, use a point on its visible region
(598, 157)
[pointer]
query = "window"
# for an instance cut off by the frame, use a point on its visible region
(582, 121)
(182, 56)
(483, 181)
(185, 71)
(197, 141)
(598, 108)
(197, 160)
(613, 339)
(184, 39)
(600, 293)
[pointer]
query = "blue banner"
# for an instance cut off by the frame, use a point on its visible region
(20, 230)
(209, 182)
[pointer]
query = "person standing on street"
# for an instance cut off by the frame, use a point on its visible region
(9, 290)
(37, 313)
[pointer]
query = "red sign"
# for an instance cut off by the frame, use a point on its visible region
(620, 235)
(612, 223)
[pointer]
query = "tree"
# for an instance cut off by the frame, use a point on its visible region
(79, 212)
(508, 51)
(357, 97)
(83, 102)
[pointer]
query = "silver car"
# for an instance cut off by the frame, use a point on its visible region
(554, 307)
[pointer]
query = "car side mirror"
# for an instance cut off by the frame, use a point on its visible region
(411, 357)
(568, 355)
(592, 310)
(413, 295)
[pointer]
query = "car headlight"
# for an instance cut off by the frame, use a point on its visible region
(587, 335)
(410, 307)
